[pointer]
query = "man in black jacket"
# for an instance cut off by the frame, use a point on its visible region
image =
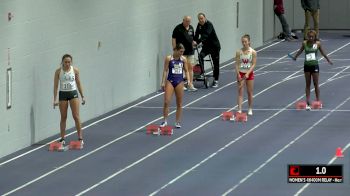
(205, 34)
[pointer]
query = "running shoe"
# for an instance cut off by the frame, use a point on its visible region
(62, 141)
(250, 112)
(307, 108)
(177, 125)
(81, 141)
(215, 84)
(163, 124)
(192, 88)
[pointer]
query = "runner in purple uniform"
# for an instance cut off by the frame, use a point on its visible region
(174, 65)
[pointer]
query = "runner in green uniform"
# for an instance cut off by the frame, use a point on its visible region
(311, 68)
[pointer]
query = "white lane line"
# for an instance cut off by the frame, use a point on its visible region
(339, 77)
(340, 67)
(107, 117)
(292, 71)
(330, 162)
(333, 59)
(282, 149)
(227, 108)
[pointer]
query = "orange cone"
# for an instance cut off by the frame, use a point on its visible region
(339, 153)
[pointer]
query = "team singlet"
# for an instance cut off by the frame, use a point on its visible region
(245, 60)
(175, 68)
(311, 54)
(67, 80)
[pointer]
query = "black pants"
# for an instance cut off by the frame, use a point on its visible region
(215, 56)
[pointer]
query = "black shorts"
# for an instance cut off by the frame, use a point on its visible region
(67, 95)
(312, 68)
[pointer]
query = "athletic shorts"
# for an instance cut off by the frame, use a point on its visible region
(251, 75)
(67, 95)
(312, 68)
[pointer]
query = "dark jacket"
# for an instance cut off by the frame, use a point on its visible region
(206, 35)
(278, 7)
(310, 5)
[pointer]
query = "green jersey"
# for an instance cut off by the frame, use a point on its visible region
(310, 54)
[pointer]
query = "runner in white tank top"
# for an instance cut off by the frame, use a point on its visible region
(245, 60)
(67, 80)
(67, 77)
(245, 64)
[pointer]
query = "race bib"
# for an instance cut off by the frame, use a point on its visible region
(245, 66)
(177, 69)
(67, 86)
(310, 57)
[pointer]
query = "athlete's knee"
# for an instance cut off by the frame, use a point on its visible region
(250, 93)
(166, 102)
(179, 104)
(63, 117)
(76, 117)
(178, 107)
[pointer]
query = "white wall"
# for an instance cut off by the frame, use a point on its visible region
(134, 39)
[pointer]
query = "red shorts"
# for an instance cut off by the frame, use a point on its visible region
(251, 75)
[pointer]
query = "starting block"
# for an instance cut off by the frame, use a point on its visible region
(316, 105)
(241, 117)
(75, 145)
(227, 115)
(167, 130)
(154, 129)
(57, 146)
(301, 105)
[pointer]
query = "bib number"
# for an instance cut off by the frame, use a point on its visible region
(311, 57)
(177, 69)
(67, 86)
(245, 66)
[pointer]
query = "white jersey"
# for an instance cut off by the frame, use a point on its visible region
(246, 60)
(67, 80)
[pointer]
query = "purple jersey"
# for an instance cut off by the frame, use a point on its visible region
(176, 67)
